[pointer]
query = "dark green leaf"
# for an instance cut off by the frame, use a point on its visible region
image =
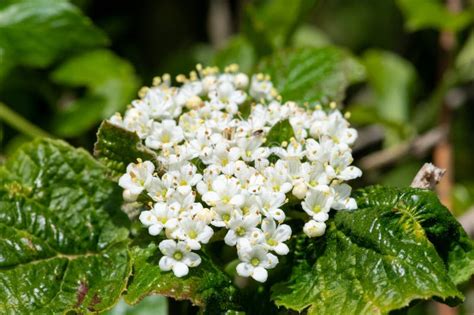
(117, 147)
(422, 14)
(61, 244)
(206, 286)
(441, 228)
(313, 74)
(270, 24)
(401, 245)
(38, 32)
(281, 132)
(111, 84)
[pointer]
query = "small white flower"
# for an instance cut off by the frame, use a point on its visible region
(177, 257)
(225, 191)
(269, 204)
(136, 179)
(342, 199)
(226, 96)
(158, 218)
(339, 166)
(275, 236)
(164, 135)
(318, 203)
(242, 229)
(255, 262)
(193, 232)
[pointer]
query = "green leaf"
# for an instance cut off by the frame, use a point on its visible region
(421, 14)
(313, 74)
(309, 36)
(111, 84)
(280, 132)
(238, 50)
(38, 32)
(62, 246)
(206, 286)
(441, 228)
(392, 79)
(117, 147)
(401, 245)
(270, 24)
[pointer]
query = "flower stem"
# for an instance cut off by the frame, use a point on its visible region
(20, 123)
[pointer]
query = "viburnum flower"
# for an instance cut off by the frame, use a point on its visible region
(218, 169)
(255, 262)
(177, 257)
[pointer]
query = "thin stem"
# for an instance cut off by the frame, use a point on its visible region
(20, 123)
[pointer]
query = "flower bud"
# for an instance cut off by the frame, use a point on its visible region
(314, 228)
(299, 190)
(241, 80)
(128, 196)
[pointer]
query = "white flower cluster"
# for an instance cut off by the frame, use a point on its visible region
(246, 180)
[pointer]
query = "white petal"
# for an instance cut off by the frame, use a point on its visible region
(260, 274)
(283, 233)
(155, 229)
(192, 259)
(321, 216)
(180, 269)
(281, 249)
(211, 198)
(184, 190)
(167, 247)
(351, 204)
(237, 200)
(244, 269)
(349, 173)
(166, 263)
(147, 218)
(230, 238)
(206, 235)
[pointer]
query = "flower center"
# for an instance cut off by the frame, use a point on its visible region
(240, 231)
(255, 261)
(272, 242)
(192, 234)
(316, 208)
(178, 255)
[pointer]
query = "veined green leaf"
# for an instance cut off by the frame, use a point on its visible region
(313, 74)
(62, 246)
(117, 147)
(400, 245)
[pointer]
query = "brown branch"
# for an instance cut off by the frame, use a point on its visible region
(418, 147)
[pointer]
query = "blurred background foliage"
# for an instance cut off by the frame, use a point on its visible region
(66, 65)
